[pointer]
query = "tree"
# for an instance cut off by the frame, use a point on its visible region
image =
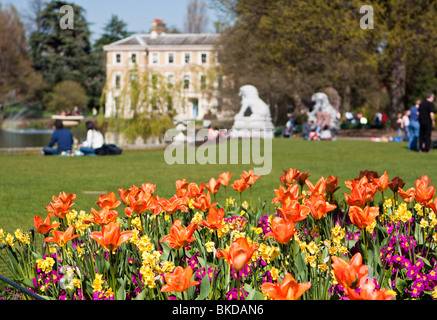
(292, 49)
(115, 29)
(60, 54)
(409, 31)
(196, 20)
(66, 95)
(18, 81)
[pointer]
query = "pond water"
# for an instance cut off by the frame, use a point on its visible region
(31, 138)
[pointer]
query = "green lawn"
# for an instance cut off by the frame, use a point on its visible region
(27, 183)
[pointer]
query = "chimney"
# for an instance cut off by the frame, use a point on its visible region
(158, 27)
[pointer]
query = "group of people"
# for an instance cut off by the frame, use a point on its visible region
(63, 139)
(417, 124)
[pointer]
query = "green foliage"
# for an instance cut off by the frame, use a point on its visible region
(66, 95)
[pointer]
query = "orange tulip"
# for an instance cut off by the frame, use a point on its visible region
(356, 198)
(102, 217)
(407, 195)
(179, 280)
(64, 197)
(281, 230)
(350, 274)
(179, 236)
(124, 194)
(240, 185)
(331, 185)
(203, 202)
(288, 289)
(110, 237)
(293, 211)
(61, 238)
(43, 227)
(318, 189)
(381, 182)
(61, 205)
(363, 218)
(225, 178)
(171, 205)
(195, 190)
(181, 185)
(239, 254)
(249, 177)
(318, 206)
(423, 193)
(289, 177)
(214, 219)
(368, 292)
(109, 201)
(147, 189)
(140, 206)
(213, 185)
(286, 195)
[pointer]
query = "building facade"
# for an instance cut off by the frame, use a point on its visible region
(159, 72)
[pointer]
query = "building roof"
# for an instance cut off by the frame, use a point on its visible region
(165, 39)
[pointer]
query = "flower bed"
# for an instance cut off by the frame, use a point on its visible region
(377, 241)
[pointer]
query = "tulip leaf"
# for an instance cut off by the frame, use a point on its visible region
(141, 296)
(121, 292)
(205, 288)
(401, 285)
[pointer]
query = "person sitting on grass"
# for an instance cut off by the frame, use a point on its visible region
(62, 137)
(94, 140)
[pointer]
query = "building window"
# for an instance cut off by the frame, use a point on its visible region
(118, 58)
(187, 58)
(170, 80)
(117, 81)
(170, 58)
(155, 58)
(203, 58)
(133, 58)
(202, 82)
(186, 82)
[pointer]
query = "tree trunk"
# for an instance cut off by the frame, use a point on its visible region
(346, 105)
(397, 85)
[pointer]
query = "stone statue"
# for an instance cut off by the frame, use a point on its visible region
(259, 122)
(323, 112)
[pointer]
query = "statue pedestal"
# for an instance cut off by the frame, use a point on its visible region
(252, 127)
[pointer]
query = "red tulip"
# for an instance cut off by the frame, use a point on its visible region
(284, 196)
(289, 177)
(240, 185)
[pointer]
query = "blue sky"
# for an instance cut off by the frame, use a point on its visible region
(138, 14)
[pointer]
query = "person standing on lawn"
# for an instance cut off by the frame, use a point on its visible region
(414, 127)
(62, 137)
(426, 120)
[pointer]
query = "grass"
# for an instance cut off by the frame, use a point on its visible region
(27, 183)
